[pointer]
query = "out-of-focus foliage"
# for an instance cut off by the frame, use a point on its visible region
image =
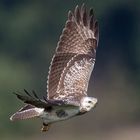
(29, 31)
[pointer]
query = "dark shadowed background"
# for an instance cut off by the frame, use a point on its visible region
(29, 31)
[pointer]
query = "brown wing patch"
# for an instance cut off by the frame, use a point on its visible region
(79, 39)
(75, 78)
(59, 62)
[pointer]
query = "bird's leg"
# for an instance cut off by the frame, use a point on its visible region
(45, 127)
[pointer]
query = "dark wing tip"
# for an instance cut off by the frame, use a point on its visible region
(96, 28)
(83, 6)
(27, 97)
(83, 16)
(35, 95)
(27, 92)
(70, 15)
(91, 13)
(19, 96)
(77, 14)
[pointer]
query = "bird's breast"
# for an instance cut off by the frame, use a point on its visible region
(59, 114)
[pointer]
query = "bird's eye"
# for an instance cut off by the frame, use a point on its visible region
(89, 102)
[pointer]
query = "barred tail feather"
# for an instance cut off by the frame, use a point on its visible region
(27, 112)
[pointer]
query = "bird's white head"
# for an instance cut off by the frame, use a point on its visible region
(87, 103)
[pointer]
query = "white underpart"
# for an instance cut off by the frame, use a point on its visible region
(51, 117)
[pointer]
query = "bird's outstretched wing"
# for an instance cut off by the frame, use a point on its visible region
(74, 58)
(34, 101)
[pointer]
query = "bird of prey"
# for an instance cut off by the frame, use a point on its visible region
(69, 73)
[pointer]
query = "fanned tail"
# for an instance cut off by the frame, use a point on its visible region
(27, 112)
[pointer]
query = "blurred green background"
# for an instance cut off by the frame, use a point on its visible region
(29, 31)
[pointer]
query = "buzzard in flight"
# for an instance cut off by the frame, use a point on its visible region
(69, 73)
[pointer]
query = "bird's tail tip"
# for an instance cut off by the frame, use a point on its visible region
(26, 112)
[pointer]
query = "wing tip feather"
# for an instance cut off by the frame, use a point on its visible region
(70, 15)
(86, 18)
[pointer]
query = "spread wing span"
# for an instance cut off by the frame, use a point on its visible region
(74, 57)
